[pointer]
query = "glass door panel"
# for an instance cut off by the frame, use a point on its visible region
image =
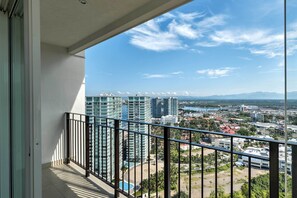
(4, 107)
(17, 102)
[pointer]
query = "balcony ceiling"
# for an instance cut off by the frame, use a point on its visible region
(71, 24)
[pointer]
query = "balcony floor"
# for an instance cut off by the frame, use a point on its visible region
(65, 181)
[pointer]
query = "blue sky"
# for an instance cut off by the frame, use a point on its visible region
(208, 47)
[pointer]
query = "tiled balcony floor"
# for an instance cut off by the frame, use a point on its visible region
(64, 181)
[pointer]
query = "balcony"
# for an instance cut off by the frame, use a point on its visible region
(210, 169)
(43, 76)
(69, 181)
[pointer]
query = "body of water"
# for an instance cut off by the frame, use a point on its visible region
(126, 185)
(201, 109)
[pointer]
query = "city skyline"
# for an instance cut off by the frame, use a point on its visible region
(200, 49)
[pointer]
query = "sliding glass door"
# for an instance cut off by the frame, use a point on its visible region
(17, 101)
(12, 138)
(5, 108)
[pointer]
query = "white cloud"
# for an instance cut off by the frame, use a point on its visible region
(169, 75)
(215, 73)
(212, 21)
(177, 31)
(207, 44)
(257, 41)
(155, 76)
(184, 30)
(150, 39)
(269, 53)
(190, 16)
(177, 73)
(171, 31)
(149, 36)
(252, 36)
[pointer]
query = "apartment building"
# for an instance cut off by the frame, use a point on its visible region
(164, 106)
(99, 108)
(139, 109)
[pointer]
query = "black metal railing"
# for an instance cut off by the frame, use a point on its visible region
(145, 159)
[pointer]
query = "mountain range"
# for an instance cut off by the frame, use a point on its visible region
(246, 96)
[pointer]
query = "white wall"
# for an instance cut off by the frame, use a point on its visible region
(62, 90)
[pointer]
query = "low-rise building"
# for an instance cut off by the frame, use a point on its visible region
(169, 120)
(264, 152)
(226, 142)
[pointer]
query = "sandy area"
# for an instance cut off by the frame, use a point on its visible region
(240, 176)
(145, 171)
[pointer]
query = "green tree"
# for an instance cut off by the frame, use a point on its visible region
(151, 184)
(253, 129)
(220, 194)
(245, 132)
(260, 187)
(182, 194)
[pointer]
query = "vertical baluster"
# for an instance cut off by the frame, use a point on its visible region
(149, 161)
(231, 162)
(216, 173)
(68, 137)
(166, 162)
(202, 171)
(87, 149)
(274, 169)
(250, 177)
(190, 165)
(117, 156)
(129, 137)
(123, 145)
(141, 156)
(179, 182)
(294, 170)
(156, 140)
(135, 135)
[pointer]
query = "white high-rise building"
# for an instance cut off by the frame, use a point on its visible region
(103, 107)
(170, 106)
(139, 109)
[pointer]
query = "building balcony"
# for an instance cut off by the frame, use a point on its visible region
(42, 62)
(90, 171)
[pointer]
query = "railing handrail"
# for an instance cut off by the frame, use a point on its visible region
(290, 143)
(79, 128)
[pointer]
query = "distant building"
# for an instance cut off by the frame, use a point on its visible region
(226, 142)
(139, 109)
(169, 120)
(227, 129)
(157, 107)
(170, 106)
(257, 117)
(164, 106)
(106, 106)
(244, 108)
(184, 147)
(264, 152)
(260, 163)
